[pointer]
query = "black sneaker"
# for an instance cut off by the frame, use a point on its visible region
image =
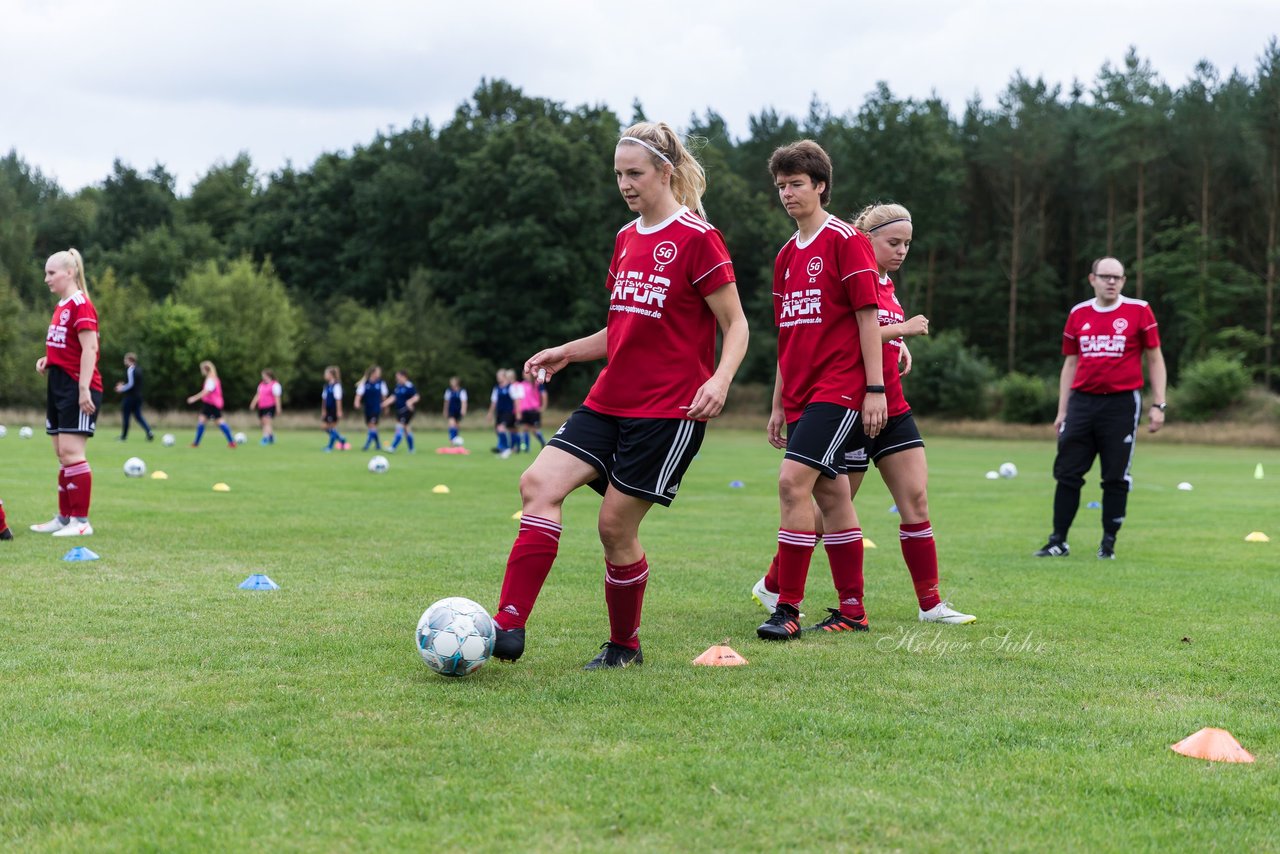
(151, 437)
(6, 534)
(783, 625)
(1056, 547)
(615, 655)
(1107, 549)
(837, 622)
(508, 644)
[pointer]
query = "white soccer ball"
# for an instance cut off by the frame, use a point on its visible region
(379, 464)
(134, 467)
(455, 636)
(241, 438)
(3, 431)
(26, 433)
(167, 440)
(1008, 470)
(457, 440)
(993, 475)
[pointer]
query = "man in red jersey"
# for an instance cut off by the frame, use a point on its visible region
(829, 374)
(1105, 342)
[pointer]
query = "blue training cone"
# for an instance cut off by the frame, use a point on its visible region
(736, 484)
(80, 553)
(1094, 505)
(893, 508)
(258, 582)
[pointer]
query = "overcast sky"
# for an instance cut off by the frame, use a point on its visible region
(187, 84)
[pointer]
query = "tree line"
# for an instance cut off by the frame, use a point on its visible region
(459, 249)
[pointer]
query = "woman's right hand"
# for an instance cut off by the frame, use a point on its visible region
(40, 363)
(918, 325)
(551, 360)
(774, 430)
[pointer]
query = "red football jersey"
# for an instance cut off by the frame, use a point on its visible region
(817, 287)
(62, 347)
(889, 311)
(1110, 343)
(661, 332)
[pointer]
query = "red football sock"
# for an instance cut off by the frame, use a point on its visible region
(79, 479)
(3, 523)
(771, 577)
(624, 595)
(527, 568)
(921, 554)
(795, 550)
(844, 551)
(63, 503)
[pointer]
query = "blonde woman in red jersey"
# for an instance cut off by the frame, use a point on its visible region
(70, 366)
(670, 284)
(898, 450)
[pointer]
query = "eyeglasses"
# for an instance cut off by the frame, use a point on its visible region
(1107, 277)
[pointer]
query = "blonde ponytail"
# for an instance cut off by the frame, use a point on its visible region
(69, 259)
(878, 215)
(688, 180)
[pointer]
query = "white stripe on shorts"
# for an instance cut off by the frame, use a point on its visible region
(841, 436)
(683, 434)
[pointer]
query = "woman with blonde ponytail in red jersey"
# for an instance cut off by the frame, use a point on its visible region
(670, 284)
(70, 367)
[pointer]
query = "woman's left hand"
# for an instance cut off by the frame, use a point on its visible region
(709, 401)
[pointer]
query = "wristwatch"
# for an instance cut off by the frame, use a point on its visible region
(1160, 406)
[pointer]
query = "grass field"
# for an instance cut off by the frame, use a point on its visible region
(150, 704)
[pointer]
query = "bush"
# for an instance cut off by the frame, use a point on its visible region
(1027, 400)
(1210, 386)
(947, 377)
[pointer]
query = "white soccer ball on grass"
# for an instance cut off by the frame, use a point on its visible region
(167, 440)
(26, 433)
(379, 464)
(1008, 470)
(455, 636)
(134, 467)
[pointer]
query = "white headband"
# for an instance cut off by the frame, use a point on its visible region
(638, 141)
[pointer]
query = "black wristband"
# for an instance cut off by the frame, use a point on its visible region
(875, 389)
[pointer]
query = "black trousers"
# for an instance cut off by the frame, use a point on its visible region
(1103, 426)
(132, 406)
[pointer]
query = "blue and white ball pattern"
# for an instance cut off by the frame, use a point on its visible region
(455, 636)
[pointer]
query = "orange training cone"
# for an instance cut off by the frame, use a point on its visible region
(1216, 745)
(720, 656)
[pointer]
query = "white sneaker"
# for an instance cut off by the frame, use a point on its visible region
(75, 528)
(944, 613)
(54, 524)
(767, 600)
(506, 455)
